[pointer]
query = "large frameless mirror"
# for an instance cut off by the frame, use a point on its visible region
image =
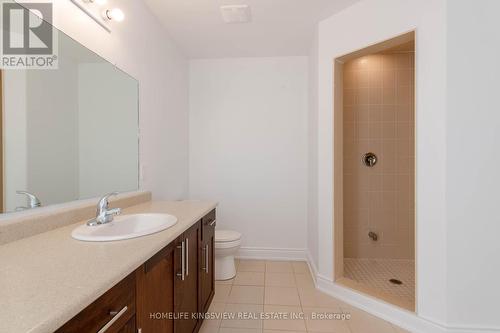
(68, 133)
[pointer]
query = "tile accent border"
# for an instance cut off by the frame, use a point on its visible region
(19, 225)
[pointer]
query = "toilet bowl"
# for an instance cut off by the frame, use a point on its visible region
(227, 243)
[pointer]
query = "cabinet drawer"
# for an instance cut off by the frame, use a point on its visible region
(110, 313)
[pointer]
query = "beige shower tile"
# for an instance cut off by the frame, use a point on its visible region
(388, 130)
(389, 182)
(405, 76)
(404, 95)
(376, 111)
(389, 95)
(375, 96)
(363, 112)
(350, 113)
(375, 130)
(363, 78)
(389, 113)
(350, 79)
(375, 78)
(350, 97)
(363, 131)
(403, 60)
(363, 96)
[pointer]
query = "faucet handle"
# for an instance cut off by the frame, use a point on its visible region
(32, 199)
(104, 201)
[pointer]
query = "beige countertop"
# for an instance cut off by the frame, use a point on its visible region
(47, 279)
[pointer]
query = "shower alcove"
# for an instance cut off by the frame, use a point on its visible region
(374, 170)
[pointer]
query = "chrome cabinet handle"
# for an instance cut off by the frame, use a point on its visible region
(116, 315)
(212, 223)
(183, 261)
(187, 256)
(207, 262)
(204, 250)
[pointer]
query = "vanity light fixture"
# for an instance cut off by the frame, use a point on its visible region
(93, 8)
(115, 14)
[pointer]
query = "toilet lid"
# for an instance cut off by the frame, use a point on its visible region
(226, 235)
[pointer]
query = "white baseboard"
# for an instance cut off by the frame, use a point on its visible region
(272, 254)
(393, 314)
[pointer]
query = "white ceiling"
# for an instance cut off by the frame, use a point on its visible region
(278, 27)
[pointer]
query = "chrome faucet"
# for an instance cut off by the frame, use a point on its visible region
(33, 201)
(104, 214)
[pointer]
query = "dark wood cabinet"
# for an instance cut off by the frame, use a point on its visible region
(207, 264)
(164, 295)
(129, 326)
(155, 293)
(186, 281)
(110, 313)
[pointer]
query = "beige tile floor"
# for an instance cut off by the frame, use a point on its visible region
(279, 290)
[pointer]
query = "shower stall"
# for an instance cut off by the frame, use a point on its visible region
(375, 170)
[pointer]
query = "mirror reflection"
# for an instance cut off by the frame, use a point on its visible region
(69, 133)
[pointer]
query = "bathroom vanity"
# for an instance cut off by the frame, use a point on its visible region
(157, 283)
(165, 294)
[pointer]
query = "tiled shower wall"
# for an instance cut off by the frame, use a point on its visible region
(379, 118)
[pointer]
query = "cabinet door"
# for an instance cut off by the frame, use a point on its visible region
(207, 250)
(155, 293)
(186, 283)
(129, 327)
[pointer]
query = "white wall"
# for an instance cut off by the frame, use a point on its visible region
(366, 23)
(141, 47)
(248, 147)
(472, 182)
(312, 193)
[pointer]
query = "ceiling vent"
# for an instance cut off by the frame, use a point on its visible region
(236, 13)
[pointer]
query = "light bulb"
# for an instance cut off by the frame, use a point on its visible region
(115, 14)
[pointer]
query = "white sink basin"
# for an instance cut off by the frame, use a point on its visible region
(125, 227)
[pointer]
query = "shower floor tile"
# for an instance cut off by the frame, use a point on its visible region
(376, 273)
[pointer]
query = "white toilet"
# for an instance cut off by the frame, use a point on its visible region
(227, 243)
